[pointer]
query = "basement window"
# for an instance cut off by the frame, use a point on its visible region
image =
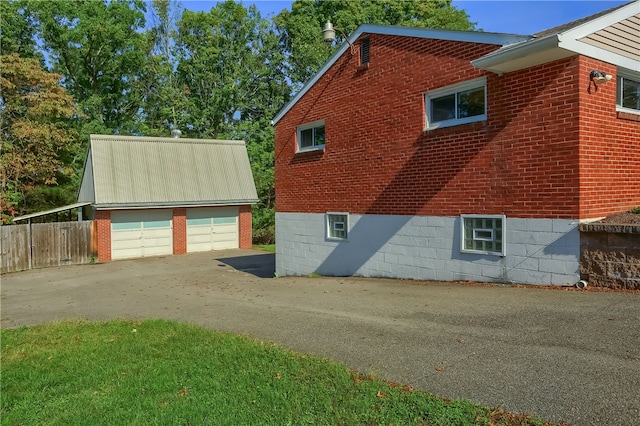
(458, 104)
(483, 234)
(337, 226)
(311, 136)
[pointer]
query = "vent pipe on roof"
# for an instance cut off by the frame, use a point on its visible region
(176, 133)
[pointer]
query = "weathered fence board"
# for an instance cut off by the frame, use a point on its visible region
(14, 247)
(42, 245)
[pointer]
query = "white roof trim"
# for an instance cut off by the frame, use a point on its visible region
(599, 53)
(563, 44)
(427, 33)
(603, 21)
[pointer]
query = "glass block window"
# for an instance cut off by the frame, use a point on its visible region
(311, 136)
(483, 234)
(337, 226)
(458, 104)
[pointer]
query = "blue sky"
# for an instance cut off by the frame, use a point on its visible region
(502, 16)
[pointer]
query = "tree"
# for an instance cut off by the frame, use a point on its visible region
(231, 69)
(98, 47)
(301, 36)
(37, 143)
(18, 25)
(164, 98)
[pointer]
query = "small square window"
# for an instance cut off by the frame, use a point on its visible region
(337, 226)
(311, 136)
(483, 234)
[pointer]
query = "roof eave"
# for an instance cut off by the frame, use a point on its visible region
(160, 205)
(523, 55)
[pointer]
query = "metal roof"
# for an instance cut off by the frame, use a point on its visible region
(138, 171)
(46, 212)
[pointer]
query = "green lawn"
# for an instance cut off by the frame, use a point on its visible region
(166, 373)
(271, 248)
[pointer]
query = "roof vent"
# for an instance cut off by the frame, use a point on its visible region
(176, 133)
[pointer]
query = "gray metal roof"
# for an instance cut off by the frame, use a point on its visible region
(138, 171)
(52, 211)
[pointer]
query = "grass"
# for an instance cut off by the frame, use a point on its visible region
(270, 248)
(161, 372)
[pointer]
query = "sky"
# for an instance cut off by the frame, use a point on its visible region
(501, 16)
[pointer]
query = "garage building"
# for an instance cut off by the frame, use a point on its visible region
(157, 196)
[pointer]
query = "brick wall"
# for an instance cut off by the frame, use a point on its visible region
(103, 233)
(609, 150)
(524, 160)
(245, 227)
(179, 230)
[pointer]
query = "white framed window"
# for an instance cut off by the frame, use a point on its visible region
(458, 104)
(483, 234)
(311, 136)
(628, 91)
(337, 226)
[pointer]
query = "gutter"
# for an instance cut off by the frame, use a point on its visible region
(516, 51)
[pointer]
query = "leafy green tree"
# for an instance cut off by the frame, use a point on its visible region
(301, 35)
(231, 71)
(98, 46)
(18, 29)
(164, 98)
(38, 144)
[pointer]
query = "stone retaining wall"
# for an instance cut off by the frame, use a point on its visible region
(610, 255)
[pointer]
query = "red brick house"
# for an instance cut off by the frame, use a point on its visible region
(448, 155)
(157, 196)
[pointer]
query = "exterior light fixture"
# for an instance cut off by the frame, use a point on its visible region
(329, 35)
(598, 77)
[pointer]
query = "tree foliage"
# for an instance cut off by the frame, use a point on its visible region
(224, 73)
(300, 28)
(37, 141)
(231, 71)
(98, 47)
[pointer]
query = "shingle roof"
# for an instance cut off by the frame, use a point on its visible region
(569, 25)
(134, 171)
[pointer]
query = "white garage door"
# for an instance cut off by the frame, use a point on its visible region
(141, 233)
(212, 229)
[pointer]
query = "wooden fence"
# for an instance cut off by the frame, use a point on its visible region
(40, 245)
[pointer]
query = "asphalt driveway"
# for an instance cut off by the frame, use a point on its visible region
(561, 355)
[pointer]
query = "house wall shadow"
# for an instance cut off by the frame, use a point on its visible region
(472, 168)
(259, 265)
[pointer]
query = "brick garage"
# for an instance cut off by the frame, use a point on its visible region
(159, 196)
(551, 152)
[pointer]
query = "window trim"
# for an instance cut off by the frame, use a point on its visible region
(450, 90)
(328, 226)
(502, 217)
(629, 75)
(307, 126)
